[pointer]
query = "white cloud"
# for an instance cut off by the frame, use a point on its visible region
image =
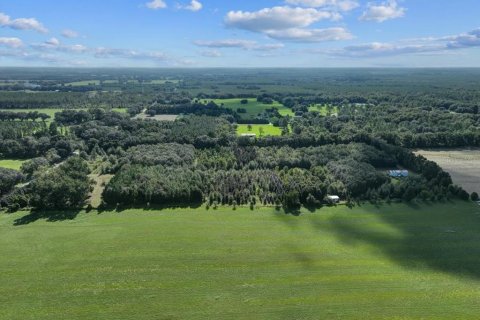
(154, 56)
(227, 43)
(290, 24)
(414, 46)
(384, 11)
(156, 4)
(53, 44)
(11, 42)
(238, 43)
(311, 35)
(464, 40)
(67, 33)
(4, 19)
(277, 18)
(21, 23)
(194, 5)
(342, 5)
(211, 53)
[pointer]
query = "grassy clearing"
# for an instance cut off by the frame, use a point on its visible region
(100, 182)
(391, 262)
(11, 164)
(324, 110)
(253, 107)
(268, 130)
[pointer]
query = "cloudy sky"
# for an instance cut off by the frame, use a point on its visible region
(240, 33)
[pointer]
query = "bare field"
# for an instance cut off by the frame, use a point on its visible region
(159, 117)
(463, 165)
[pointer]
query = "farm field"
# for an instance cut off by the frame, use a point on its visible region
(253, 107)
(11, 164)
(463, 166)
(391, 262)
(268, 129)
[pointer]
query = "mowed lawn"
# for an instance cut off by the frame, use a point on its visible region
(253, 107)
(268, 129)
(11, 164)
(390, 262)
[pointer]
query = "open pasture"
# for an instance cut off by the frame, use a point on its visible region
(253, 107)
(390, 262)
(11, 164)
(324, 110)
(259, 129)
(463, 166)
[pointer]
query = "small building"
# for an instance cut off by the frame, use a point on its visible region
(333, 199)
(250, 135)
(398, 173)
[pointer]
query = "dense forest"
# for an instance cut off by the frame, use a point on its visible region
(340, 136)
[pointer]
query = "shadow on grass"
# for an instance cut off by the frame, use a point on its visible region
(440, 236)
(50, 216)
(153, 207)
(70, 214)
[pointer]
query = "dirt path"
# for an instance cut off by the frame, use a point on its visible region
(100, 182)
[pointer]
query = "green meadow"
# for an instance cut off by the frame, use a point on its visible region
(253, 107)
(11, 164)
(323, 109)
(371, 262)
(267, 129)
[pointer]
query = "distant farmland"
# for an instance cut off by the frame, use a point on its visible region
(463, 166)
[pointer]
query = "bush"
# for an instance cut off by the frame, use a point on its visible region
(474, 196)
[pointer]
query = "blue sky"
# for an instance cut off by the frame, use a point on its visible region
(240, 33)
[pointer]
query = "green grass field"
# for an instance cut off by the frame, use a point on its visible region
(323, 109)
(253, 107)
(391, 262)
(268, 130)
(11, 164)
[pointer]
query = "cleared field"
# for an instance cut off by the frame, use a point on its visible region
(390, 262)
(267, 130)
(11, 164)
(158, 117)
(253, 107)
(323, 109)
(463, 166)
